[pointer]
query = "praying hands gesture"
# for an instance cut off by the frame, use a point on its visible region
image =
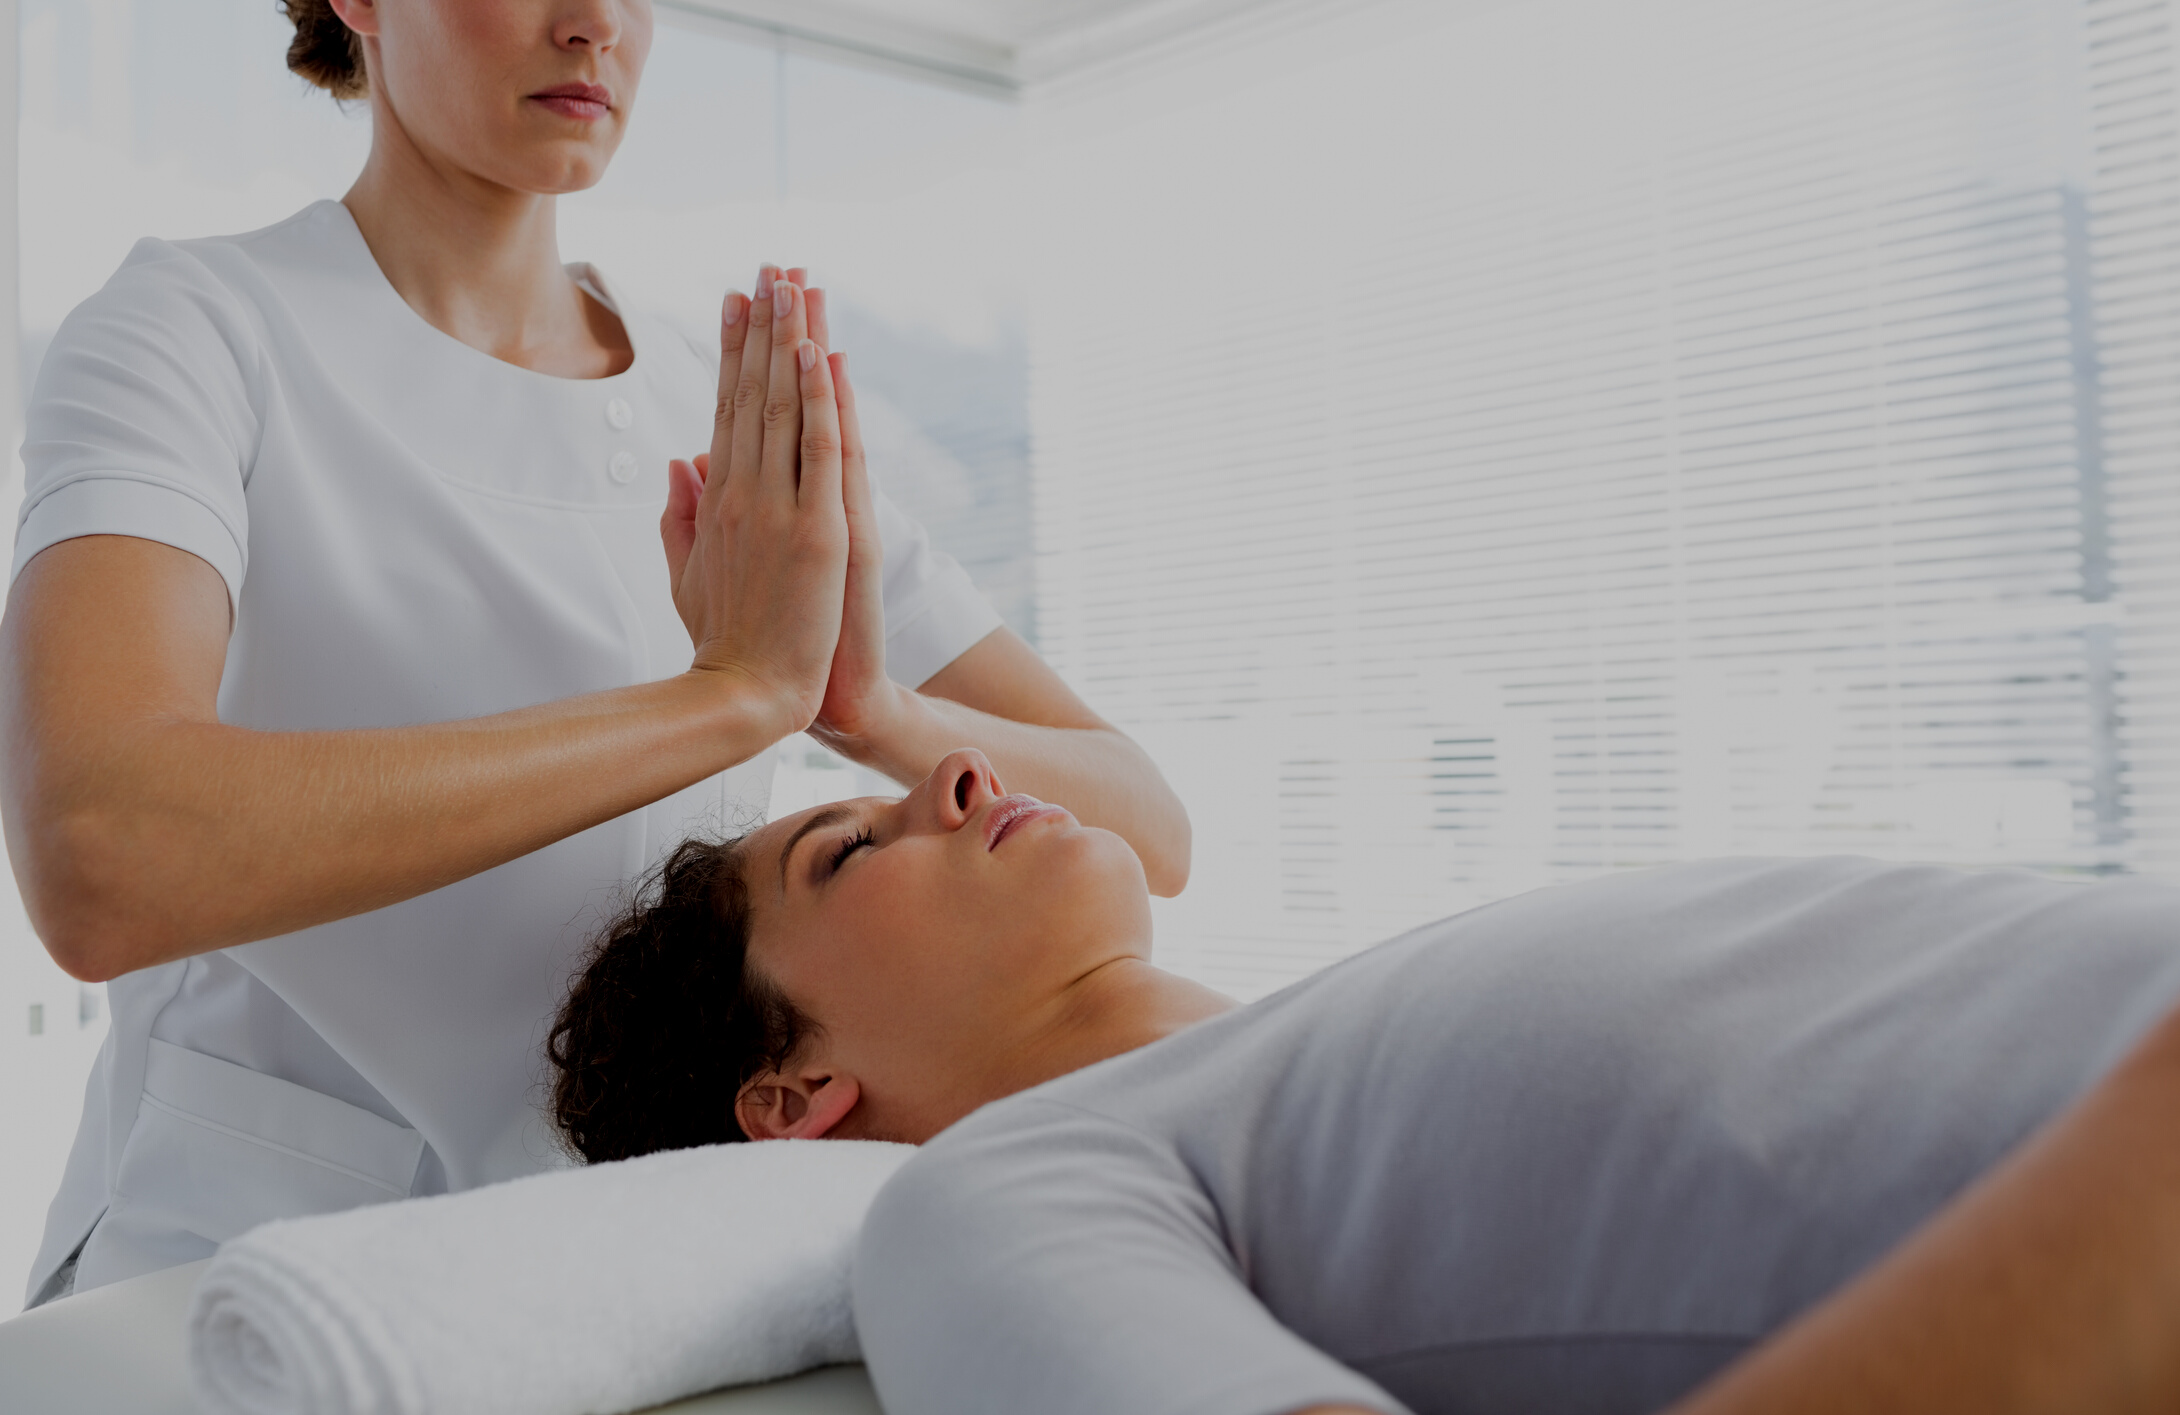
(757, 554)
(777, 566)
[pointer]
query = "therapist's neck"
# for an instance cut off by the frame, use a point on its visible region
(478, 260)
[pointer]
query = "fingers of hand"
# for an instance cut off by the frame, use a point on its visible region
(863, 625)
(733, 333)
(677, 526)
(854, 470)
(821, 438)
(745, 449)
(820, 330)
(732, 312)
(783, 399)
(683, 481)
(789, 310)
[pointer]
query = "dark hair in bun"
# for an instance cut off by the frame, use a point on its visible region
(325, 50)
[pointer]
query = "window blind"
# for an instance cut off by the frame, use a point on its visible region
(2135, 243)
(1478, 446)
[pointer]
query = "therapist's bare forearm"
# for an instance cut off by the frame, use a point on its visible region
(142, 829)
(189, 836)
(2049, 1288)
(1105, 779)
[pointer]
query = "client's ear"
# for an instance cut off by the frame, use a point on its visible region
(796, 1107)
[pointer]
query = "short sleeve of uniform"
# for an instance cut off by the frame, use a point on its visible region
(1070, 1265)
(934, 612)
(145, 417)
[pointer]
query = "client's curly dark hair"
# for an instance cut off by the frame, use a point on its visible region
(667, 1020)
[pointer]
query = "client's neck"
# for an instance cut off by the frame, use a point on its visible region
(1115, 1007)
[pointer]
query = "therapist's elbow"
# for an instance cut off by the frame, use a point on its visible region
(79, 945)
(1165, 839)
(83, 960)
(1166, 863)
(88, 944)
(1167, 874)
(74, 891)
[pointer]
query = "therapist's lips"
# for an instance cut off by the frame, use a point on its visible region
(585, 101)
(1011, 811)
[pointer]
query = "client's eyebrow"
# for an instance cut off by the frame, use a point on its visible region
(831, 815)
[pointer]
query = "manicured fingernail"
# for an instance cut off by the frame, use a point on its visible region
(783, 299)
(808, 353)
(736, 307)
(765, 276)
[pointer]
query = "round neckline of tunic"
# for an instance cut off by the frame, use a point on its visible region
(344, 222)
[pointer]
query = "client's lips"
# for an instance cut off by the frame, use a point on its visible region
(1009, 812)
(576, 100)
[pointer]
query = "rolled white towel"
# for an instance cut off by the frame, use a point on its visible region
(583, 1292)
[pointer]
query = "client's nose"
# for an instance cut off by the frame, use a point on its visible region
(961, 785)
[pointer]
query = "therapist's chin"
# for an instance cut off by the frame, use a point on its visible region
(549, 159)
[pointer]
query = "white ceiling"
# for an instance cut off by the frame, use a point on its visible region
(991, 45)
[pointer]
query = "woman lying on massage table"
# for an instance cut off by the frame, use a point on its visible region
(1756, 1135)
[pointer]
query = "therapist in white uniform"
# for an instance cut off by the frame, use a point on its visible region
(346, 679)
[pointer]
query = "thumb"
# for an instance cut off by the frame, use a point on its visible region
(677, 527)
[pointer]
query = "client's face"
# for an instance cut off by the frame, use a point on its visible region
(925, 938)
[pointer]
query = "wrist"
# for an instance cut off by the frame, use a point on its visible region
(745, 709)
(881, 725)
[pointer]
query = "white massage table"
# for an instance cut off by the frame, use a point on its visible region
(119, 1350)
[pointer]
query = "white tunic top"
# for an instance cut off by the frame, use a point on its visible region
(412, 531)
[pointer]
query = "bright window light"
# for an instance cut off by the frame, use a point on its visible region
(1484, 445)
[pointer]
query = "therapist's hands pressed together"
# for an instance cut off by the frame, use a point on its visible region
(758, 554)
(999, 697)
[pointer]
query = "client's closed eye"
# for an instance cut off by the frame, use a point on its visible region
(849, 846)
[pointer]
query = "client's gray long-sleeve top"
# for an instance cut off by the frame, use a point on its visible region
(1572, 1152)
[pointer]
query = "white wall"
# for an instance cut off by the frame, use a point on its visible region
(50, 1026)
(41, 1085)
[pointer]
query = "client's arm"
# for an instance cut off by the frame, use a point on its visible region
(2053, 1285)
(1066, 1264)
